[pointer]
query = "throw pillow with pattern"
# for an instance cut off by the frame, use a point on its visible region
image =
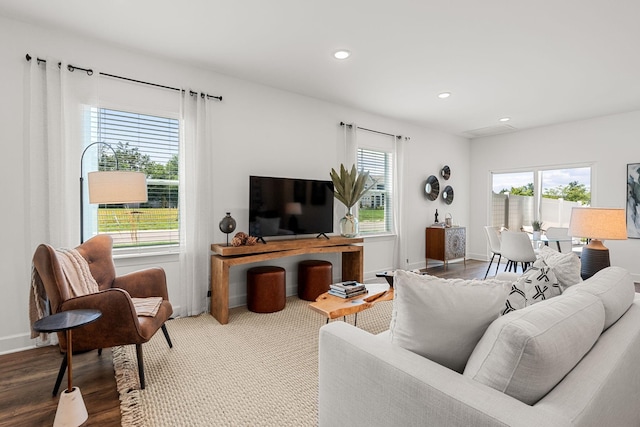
(536, 284)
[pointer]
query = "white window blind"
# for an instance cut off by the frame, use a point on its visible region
(148, 144)
(375, 213)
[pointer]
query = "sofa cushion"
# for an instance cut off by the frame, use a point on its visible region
(525, 353)
(537, 284)
(614, 287)
(441, 319)
(566, 266)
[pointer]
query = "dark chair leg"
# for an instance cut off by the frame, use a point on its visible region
(140, 365)
(63, 368)
(166, 335)
(99, 352)
(498, 264)
(488, 268)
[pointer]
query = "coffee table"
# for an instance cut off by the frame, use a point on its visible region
(333, 307)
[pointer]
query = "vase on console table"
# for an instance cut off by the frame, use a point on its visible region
(349, 225)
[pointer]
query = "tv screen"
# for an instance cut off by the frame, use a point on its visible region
(287, 206)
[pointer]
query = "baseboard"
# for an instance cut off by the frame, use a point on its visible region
(15, 343)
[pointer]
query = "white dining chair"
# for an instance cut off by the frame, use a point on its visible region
(516, 247)
(559, 239)
(493, 239)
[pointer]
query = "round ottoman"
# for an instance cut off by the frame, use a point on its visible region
(266, 289)
(314, 278)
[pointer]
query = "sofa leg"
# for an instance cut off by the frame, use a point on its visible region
(166, 335)
(140, 365)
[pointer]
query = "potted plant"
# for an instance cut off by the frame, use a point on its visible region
(349, 187)
(537, 228)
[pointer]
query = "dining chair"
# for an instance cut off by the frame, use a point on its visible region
(516, 247)
(494, 244)
(559, 239)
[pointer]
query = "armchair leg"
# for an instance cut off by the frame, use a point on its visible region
(166, 335)
(63, 368)
(140, 365)
(99, 352)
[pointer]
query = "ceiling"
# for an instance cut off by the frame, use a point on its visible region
(537, 62)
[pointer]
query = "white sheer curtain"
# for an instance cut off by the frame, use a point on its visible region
(196, 231)
(399, 251)
(56, 100)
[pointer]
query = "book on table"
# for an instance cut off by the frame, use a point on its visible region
(347, 289)
(345, 295)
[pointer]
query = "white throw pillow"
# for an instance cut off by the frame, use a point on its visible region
(537, 284)
(527, 352)
(614, 287)
(566, 266)
(441, 319)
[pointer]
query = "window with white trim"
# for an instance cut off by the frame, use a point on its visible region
(145, 143)
(375, 209)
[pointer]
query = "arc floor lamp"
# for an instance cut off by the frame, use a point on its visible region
(114, 186)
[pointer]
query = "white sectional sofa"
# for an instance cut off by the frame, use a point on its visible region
(367, 380)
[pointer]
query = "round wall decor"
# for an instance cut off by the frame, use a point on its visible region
(446, 172)
(447, 194)
(432, 188)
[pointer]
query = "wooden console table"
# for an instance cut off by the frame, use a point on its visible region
(225, 257)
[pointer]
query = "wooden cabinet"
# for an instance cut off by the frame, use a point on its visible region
(445, 244)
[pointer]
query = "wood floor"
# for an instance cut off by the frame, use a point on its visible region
(27, 377)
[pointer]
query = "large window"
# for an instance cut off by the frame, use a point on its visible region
(518, 198)
(147, 144)
(375, 212)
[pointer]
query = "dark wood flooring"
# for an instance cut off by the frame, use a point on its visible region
(27, 377)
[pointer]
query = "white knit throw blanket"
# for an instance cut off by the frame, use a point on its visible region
(78, 276)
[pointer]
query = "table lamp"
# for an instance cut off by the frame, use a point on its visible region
(596, 224)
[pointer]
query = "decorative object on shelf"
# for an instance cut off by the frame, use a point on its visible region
(447, 194)
(243, 239)
(436, 217)
(445, 172)
(537, 229)
(448, 220)
(227, 225)
(349, 187)
(596, 224)
(432, 188)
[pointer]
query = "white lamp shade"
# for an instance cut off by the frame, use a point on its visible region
(598, 223)
(117, 187)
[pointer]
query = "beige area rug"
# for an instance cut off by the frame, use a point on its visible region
(258, 370)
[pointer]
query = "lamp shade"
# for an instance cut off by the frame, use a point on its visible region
(117, 187)
(598, 223)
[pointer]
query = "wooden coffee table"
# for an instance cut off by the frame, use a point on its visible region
(333, 307)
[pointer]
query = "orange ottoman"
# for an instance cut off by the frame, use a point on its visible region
(266, 289)
(314, 278)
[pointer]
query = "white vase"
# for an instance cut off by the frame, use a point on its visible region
(536, 235)
(349, 225)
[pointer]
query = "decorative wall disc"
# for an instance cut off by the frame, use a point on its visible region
(432, 188)
(446, 172)
(447, 194)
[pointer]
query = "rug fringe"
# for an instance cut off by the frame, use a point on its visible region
(127, 382)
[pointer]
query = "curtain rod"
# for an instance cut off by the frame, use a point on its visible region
(89, 72)
(349, 125)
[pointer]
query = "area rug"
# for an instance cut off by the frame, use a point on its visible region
(258, 370)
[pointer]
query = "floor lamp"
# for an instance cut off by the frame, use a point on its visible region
(113, 186)
(596, 224)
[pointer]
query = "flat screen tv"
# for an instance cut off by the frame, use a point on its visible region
(289, 206)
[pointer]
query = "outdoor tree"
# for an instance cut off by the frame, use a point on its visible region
(572, 192)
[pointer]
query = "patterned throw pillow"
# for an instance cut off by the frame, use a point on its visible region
(536, 284)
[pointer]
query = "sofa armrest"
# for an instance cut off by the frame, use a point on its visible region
(365, 380)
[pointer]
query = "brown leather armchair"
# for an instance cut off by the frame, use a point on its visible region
(119, 324)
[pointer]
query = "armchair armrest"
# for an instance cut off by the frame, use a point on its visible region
(151, 282)
(366, 380)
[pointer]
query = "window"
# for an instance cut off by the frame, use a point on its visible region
(518, 198)
(375, 213)
(143, 143)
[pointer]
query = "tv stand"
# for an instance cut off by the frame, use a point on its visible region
(225, 257)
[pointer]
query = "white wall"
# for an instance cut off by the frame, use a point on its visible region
(258, 130)
(607, 143)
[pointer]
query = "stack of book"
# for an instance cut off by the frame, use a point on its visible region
(347, 289)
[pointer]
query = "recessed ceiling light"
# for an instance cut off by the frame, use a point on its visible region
(444, 95)
(342, 54)
(504, 119)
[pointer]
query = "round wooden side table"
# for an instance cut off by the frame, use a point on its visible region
(71, 409)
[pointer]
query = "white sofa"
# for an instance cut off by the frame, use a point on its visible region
(365, 380)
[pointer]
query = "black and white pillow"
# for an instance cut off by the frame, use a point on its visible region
(537, 284)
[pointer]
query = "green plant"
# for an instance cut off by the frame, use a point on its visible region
(537, 225)
(349, 187)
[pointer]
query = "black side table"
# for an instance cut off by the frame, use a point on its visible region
(71, 409)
